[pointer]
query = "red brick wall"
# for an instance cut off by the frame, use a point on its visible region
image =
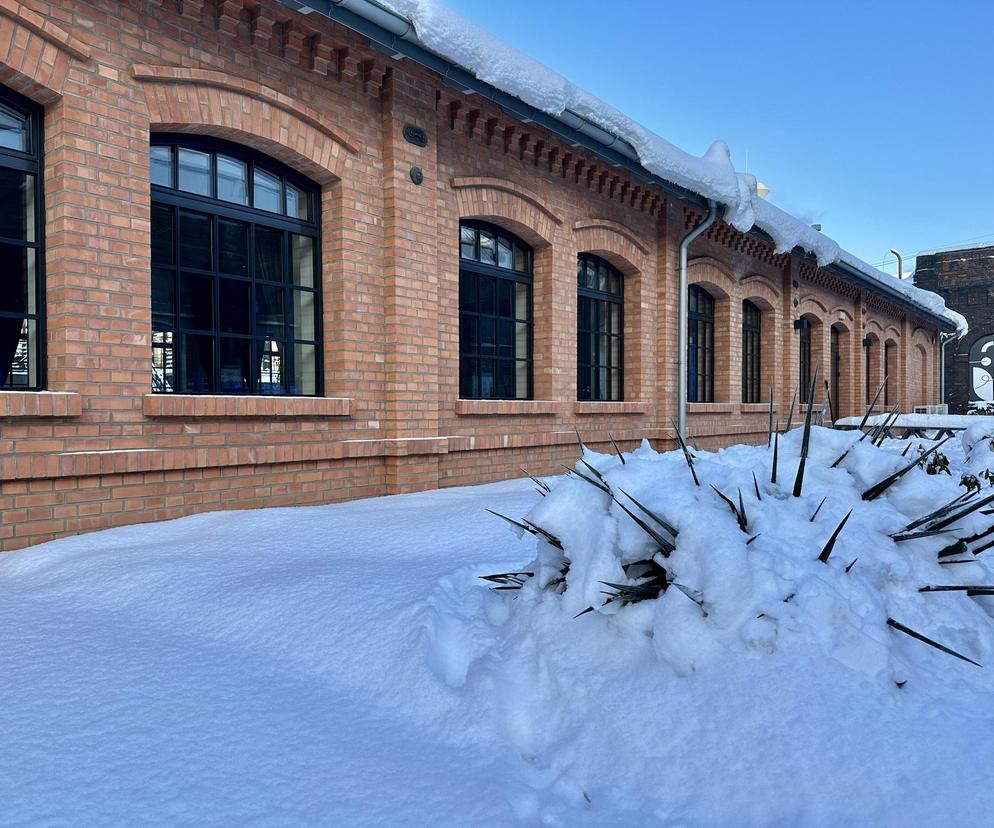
(101, 451)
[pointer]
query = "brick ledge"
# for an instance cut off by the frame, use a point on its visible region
(712, 408)
(40, 404)
(196, 405)
(507, 407)
(612, 407)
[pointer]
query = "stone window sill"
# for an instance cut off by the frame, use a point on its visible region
(40, 404)
(756, 408)
(196, 405)
(712, 408)
(609, 407)
(506, 407)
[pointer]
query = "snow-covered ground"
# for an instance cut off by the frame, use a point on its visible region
(343, 665)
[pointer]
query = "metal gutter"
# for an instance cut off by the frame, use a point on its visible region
(396, 36)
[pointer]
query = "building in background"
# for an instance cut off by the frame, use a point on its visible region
(965, 279)
(262, 253)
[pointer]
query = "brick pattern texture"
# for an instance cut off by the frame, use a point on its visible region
(98, 450)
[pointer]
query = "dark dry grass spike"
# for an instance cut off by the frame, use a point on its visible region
(776, 446)
(508, 580)
(595, 483)
(769, 435)
(888, 424)
(827, 550)
(686, 453)
(694, 595)
(664, 544)
(753, 538)
(942, 510)
(512, 521)
(545, 487)
(851, 565)
(806, 437)
(957, 548)
(617, 450)
(983, 548)
(907, 448)
(739, 516)
(970, 593)
(742, 511)
(962, 513)
(790, 412)
(812, 519)
(901, 537)
(656, 517)
(958, 561)
(954, 587)
(869, 408)
(755, 484)
(538, 530)
(878, 489)
(924, 639)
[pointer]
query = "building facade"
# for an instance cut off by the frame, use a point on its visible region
(964, 278)
(254, 261)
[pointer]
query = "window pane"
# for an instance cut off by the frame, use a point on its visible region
(521, 380)
(521, 339)
(232, 180)
(236, 357)
(304, 310)
(163, 298)
(505, 338)
(233, 247)
(269, 311)
(520, 259)
(488, 336)
(235, 306)
(469, 387)
(467, 242)
(504, 257)
(269, 359)
(467, 292)
(17, 204)
(505, 298)
(488, 252)
(488, 378)
(488, 299)
(13, 130)
(163, 366)
(297, 203)
(266, 192)
(162, 166)
(505, 379)
(195, 240)
(195, 171)
(268, 254)
(615, 311)
(522, 304)
(198, 363)
(162, 235)
(17, 278)
(304, 369)
(15, 359)
(302, 260)
(196, 301)
(469, 334)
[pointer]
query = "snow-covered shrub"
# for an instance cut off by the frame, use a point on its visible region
(718, 555)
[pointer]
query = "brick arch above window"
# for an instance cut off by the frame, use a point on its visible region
(507, 204)
(613, 242)
(713, 276)
(212, 103)
(38, 64)
(761, 292)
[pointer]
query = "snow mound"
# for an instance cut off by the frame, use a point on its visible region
(713, 175)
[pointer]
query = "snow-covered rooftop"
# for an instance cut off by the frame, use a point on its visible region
(460, 41)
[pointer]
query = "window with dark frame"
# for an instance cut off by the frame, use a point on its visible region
(804, 350)
(836, 373)
(888, 366)
(868, 356)
(495, 314)
(600, 330)
(22, 298)
(700, 346)
(752, 329)
(235, 272)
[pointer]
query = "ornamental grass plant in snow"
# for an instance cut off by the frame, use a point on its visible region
(853, 547)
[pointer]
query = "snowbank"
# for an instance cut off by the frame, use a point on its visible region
(452, 36)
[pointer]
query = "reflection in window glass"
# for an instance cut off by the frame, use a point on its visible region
(13, 130)
(162, 166)
(266, 192)
(195, 171)
(232, 180)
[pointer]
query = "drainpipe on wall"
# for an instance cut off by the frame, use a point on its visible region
(681, 385)
(944, 340)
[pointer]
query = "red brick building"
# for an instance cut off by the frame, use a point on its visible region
(265, 257)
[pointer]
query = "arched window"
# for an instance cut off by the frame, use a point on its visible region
(600, 331)
(495, 314)
(836, 400)
(22, 299)
(868, 344)
(700, 346)
(235, 272)
(804, 353)
(751, 338)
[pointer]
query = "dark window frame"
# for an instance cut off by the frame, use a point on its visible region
(177, 201)
(836, 360)
(471, 351)
(804, 357)
(593, 302)
(889, 347)
(700, 358)
(752, 345)
(868, 366)
(30, 161)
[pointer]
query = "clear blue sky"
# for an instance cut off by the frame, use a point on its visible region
(874, 118)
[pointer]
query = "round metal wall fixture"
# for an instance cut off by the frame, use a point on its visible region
(417, 176)
(415, 135)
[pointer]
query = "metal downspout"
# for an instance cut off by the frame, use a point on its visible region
(944, 340)
(712, 216)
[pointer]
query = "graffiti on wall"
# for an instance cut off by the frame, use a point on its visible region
(982, 370)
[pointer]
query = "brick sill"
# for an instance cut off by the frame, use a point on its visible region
(756, 408)
(607, 407)
(508, 408)
(40, 404)
(197, 405)
(712, 408)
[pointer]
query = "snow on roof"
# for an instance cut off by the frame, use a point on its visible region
(453, 37)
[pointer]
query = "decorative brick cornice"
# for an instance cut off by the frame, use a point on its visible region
(45, 28)
(502, 184)
(266, 94)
